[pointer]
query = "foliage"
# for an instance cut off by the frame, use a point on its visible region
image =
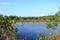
(52, 25)
(51, 36)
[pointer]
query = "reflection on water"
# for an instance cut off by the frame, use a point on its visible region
(31, 30)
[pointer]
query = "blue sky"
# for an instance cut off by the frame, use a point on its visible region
(29, 7)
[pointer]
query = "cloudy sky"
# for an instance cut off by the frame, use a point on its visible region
(29, 7)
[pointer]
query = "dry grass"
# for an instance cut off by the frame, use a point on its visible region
(57, 35)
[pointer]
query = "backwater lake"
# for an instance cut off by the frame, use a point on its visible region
(31, 30)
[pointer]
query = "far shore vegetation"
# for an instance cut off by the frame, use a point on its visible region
(49, 18)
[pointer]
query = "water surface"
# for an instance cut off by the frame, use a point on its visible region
(31, 30)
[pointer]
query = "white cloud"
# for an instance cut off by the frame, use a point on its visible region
(3, 3)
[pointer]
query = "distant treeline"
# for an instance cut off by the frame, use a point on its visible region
(49, 18)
